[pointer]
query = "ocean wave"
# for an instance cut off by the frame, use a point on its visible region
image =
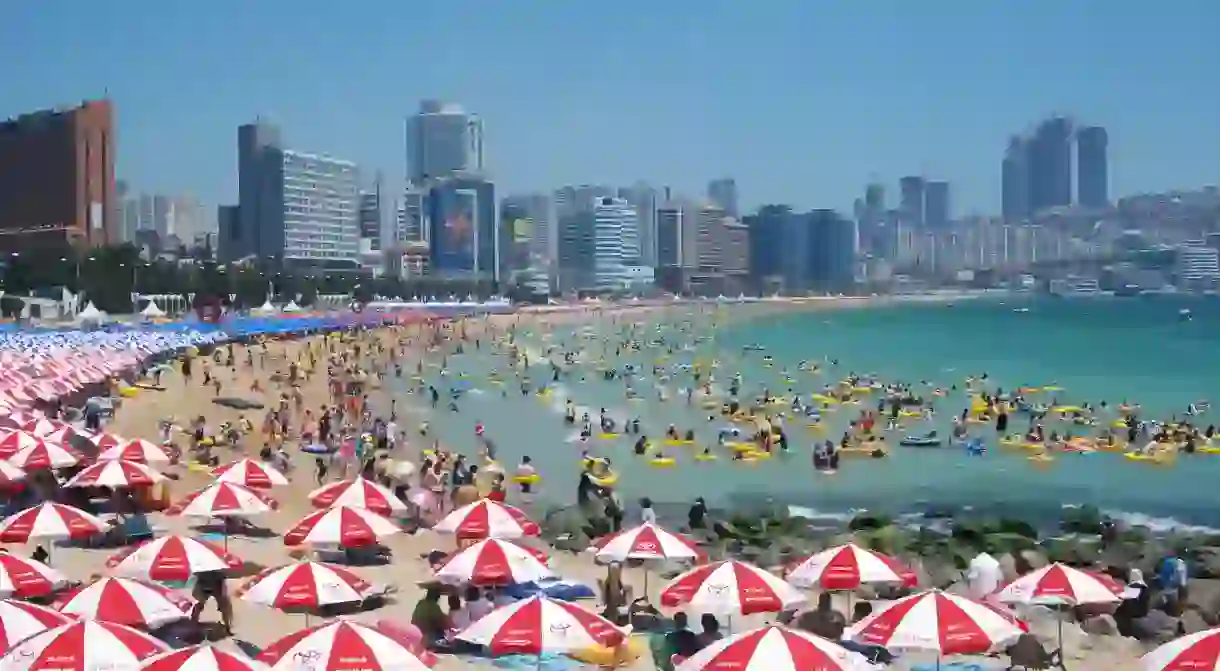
(1158, 524)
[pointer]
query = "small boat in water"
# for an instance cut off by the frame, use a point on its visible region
(1184, 315)
(929, 439)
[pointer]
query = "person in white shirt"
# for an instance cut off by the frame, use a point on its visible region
(647, 514)
(984, 576)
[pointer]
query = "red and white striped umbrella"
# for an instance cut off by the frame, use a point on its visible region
(115, 474)
(51, 521)
(537, 625)
(358, 493)
(775, 648)
(63, 435)
(25, 578)
(12, 421)
(647, 541)
(13, 442)
(10, 474)
(202, 658)
(83, 645)
(223, 499)
(251, 473)
(105, 441)
(487, 519)
(43, 455)
(495, 562)
(137, 449)
(172, 559)
(43, 427)
(20, 620)
(307, 585)
(1194, 652)
(341, 525)
(1061, 584)
(848, 567)
(346, 645)
(730, 588)
(939, 622)
(126, 601)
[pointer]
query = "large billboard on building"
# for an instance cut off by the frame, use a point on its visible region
(456, 248)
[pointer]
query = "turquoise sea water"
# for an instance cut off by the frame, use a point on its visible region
(1136, 350)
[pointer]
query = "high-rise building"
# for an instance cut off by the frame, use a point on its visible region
(295, 207)
(409, 223)
(1014, 178)
(517, 231)
(460, 213)
(936, 213)
(767, 230)
(1050, 165)
(57, 178)
(443, 139)
(615, 243)
(833, 246)
(723, 192)
(644, 199)
(874, 197)
(671, 224)
(372, 245)
(912, 194)
(1092, 165)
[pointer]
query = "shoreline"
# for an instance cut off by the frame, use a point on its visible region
(187, 398)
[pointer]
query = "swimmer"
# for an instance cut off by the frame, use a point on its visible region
(526, 472)
(641, 446)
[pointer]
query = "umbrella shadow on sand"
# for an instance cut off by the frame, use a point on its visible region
(216, 531)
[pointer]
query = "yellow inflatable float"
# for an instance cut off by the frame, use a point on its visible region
(662, 462)
(610, 658)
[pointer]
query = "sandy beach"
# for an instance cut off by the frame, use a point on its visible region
(184, 399)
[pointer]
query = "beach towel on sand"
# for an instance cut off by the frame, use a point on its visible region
(547, 662)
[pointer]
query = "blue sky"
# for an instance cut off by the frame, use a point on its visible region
(802, 101)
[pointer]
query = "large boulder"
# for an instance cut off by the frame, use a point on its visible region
(1207, 562)
(865, 521)
(1082, 520)
(1157, 627)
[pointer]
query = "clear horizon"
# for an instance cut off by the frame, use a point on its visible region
(801, 103)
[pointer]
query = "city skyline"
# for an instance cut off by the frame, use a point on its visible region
(565, 121)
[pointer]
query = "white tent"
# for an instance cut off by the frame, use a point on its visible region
(151, 311)
(91, 314)
(292, 307)
(265, 309)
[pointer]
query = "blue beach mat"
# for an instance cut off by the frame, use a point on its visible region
(564, 590)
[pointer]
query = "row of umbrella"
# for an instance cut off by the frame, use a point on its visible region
(931, 620)
(47, 365)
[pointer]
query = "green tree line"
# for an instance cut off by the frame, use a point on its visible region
(109, 275)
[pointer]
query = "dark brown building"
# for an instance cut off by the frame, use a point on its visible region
(57, 178)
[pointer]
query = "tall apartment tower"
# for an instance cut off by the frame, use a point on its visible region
(1092, 166)
(1050, 165)
(911, 193)
(936, 205)
(723, 192)
(1014, 178)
